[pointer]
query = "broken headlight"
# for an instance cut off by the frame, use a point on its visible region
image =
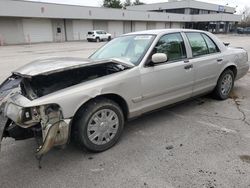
(24, 117)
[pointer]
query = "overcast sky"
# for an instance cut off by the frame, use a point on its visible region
(240, 3)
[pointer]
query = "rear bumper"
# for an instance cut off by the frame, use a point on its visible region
(91, 38)
(242, 71)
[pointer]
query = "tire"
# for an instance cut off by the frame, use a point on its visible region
(97, 39)
(224, 85)
(109, 38)
(91, 130)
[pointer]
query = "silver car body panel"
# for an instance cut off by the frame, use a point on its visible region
(143, 88)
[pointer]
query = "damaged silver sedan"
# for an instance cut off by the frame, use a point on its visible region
(88, 100)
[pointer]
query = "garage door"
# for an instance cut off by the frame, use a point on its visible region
(151, 25)
(81, 28)
(101, 25)
(160, 25)
(176, 25)
(168, 25)
(115, 28)
(140, 26)
(127, 26)
(37, 30)
(11, 31)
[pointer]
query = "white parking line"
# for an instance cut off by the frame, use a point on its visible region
(217, 127)
(207, 123)
(245, 109)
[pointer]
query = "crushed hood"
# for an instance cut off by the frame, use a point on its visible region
(60, 64)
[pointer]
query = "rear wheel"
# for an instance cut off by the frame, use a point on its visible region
(109, 38)
(224, 85)
(99, 125)
(97, 39)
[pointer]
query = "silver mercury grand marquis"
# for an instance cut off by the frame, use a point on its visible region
(88, 100)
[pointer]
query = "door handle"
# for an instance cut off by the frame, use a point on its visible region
(186, 61)
(188, 66)
(219, 60)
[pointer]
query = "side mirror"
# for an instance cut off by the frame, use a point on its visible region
(159, 58)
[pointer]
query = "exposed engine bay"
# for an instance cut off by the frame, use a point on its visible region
(45, 84)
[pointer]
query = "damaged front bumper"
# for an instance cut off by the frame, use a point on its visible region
(3, 123)
(45, 122)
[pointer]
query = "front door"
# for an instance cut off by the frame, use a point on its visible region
(171, 81)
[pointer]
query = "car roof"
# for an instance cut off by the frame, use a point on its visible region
(161, 31)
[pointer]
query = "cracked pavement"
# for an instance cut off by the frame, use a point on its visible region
(198, 143)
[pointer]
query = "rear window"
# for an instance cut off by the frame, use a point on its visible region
(212, 47)
(198, 44)
(90, 32)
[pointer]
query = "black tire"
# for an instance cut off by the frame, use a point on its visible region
(109, 38)
(88, 40)
(218, 91)
(97, 39)
(82, 122)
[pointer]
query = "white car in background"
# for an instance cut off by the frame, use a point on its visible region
(98, 35)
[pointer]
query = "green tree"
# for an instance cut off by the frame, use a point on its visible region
(112, 3)
(138, 2)
(127, 3)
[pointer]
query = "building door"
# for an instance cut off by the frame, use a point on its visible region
(58, 30)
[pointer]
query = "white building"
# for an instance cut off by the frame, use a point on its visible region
(30, 22)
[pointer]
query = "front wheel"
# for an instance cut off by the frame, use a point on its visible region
(99, 125)
(224, 85)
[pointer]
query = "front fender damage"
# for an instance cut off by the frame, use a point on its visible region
(44, 123)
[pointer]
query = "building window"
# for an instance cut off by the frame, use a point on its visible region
(177, 11)
(194, 11)
(59, 30)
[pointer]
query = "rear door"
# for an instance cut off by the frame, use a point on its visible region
(206, 59)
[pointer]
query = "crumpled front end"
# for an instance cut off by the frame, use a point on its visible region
(45, 123)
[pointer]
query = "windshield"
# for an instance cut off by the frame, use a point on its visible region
(131, 48)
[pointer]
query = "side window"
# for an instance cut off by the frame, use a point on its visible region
(172, 45)
(197, 43)
(212, 48)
